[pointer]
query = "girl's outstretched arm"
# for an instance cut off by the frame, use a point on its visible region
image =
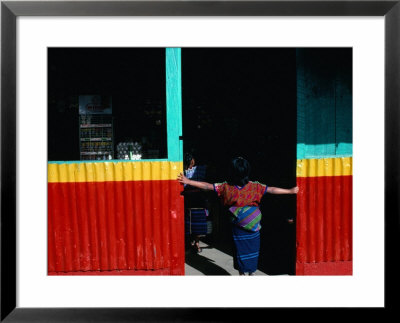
(203, 185)
(278, 190)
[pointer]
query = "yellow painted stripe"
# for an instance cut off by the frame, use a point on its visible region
(113, 171)
(325, 167)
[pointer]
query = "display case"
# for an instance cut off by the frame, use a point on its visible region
(96, 137)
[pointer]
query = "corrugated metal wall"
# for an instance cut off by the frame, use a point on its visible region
(324, 162)
(115, 216)
(324, 217)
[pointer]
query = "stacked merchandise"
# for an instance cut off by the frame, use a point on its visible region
(129, 150)
(96, 137)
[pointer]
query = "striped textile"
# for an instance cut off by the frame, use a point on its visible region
(247, 217)
(195, 221)
(246, 249)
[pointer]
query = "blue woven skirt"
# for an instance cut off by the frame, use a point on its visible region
(246, 249)
(196, 221)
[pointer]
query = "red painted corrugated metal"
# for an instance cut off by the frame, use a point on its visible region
(116, 226)
(324, 221)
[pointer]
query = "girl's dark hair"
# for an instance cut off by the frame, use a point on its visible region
(187, 159)
(239, 171)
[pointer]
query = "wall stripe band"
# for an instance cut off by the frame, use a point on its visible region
(342, 166)
(113, 171)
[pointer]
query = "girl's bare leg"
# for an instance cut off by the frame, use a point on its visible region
(197, 242)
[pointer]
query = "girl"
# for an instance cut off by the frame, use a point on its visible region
(242, 197)
(196, 211)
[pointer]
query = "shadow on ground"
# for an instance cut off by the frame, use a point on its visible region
(204, 265)
(278, 238)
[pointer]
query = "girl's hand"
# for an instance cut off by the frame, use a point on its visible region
(295, 190)
(183, 179)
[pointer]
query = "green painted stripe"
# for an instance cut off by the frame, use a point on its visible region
(174, 103)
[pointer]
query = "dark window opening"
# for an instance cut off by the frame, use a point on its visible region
(122, 91)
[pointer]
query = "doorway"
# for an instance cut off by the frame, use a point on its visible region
(242, 102)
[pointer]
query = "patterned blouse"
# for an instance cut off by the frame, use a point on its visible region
(248, 195)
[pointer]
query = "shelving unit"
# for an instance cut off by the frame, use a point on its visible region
(96, 137)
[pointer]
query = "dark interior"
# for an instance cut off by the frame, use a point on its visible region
(242, 102)
(134, 78)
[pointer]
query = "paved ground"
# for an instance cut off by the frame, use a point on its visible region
(210, 261)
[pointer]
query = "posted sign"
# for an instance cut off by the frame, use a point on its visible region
(95, 104)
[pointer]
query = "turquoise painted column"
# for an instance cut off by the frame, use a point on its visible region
(174, 103)
(324, 105)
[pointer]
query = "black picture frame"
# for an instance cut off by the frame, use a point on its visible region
(10, 10)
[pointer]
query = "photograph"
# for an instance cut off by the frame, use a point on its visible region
(154, 153)
(196, 161)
